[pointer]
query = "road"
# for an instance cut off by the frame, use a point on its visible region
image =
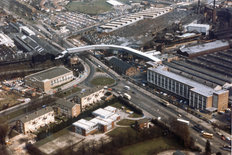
(149, 103)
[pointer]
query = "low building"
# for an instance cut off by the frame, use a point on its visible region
(5, 40)
(201, 28)
(47, 79)
(104, 125)
(90, 97)
(142, 124)
(85, 127)
(103, 113)
(201, 49)
(67, 108)
(33, 121)
(121, 67)
(200, 96)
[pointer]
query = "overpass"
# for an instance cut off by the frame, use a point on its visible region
(129, 50)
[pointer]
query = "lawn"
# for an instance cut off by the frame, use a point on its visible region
(121, 130)
(135, 115)
(92, 7)
(148, 146)
(68, 92)
(102, 81)
(126, 122)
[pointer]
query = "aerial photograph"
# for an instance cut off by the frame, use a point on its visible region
(115, 77)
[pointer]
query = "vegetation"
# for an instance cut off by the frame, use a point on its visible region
(126, 122)
(135, 115)
(89, 7)
(63, 94)
(3, 131)
(102, 81)
(207, 148)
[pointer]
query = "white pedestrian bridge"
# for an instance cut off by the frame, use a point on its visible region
(146, 56)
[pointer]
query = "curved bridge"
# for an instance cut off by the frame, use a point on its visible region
(105, 47)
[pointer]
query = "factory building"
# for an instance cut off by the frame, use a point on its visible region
(32, 122)
(121, 67)
(47, 79)
(5, 40)
(200, 96)
(206, 48)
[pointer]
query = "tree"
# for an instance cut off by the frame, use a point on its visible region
(218, 153)
(207, 148)
(3, 131)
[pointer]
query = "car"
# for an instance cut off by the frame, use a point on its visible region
(133, 92)
(179, 115)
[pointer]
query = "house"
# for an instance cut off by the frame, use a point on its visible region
(67, 108)
(142, 123)
(121, 67)
(33, 121)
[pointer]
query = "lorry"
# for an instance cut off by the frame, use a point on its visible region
(127, 96)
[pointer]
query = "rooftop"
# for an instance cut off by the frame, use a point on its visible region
(49, 73)
(196, 87)
(64, 103)
(110, 108)
(102, 113)
(205, 47)
(118, 62)
(36, 114)
(84, 124)
(89, 91)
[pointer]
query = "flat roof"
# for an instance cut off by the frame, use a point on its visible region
(114, 116)
(205, 47)
(84, 124)
(110, 108)
(196, 87)
(49, 73)
(102, 121)
(36, 114)
(102, 113)
(199, 25)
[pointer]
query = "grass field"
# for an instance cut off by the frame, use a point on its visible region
(92, 7)
(147, 147)
(121, 130)
(102, 81)
(126, 122)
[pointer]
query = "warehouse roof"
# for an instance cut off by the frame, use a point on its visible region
(36, 114)
(90, 91)
(49, 73)
(110, 108)
(119, 63)
(196, 87)
(205, 47)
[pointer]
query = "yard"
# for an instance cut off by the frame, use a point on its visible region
(102, 81)
(89, 7)
(149, 146)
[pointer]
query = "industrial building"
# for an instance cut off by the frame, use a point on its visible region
(33, 121)
(5, 40)
(205, 48)
(200, 28)
(104, 120)
(91, 96)
(121, 67)
(199, 95)
(67, 108)
(47, 79)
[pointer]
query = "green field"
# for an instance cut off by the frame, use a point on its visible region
(148, 146)
(121, 130)
(126, 122)
(89, 7)
(102, 81)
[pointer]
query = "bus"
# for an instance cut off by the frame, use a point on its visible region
(207, 135)
(183, 121)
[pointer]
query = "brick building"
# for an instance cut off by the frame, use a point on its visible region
(33, 121)
(47, 79)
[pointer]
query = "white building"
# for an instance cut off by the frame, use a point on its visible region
(201, 28)
(32, 122)
(85, 127)
(5, 40)
(26, 30)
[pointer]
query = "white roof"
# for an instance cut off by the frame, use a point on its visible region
(114, 2)
(114, 116)
(101, 121)
(28, 30)
(84, 124)
(199, 25)
(102, 113)
(110, 108)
